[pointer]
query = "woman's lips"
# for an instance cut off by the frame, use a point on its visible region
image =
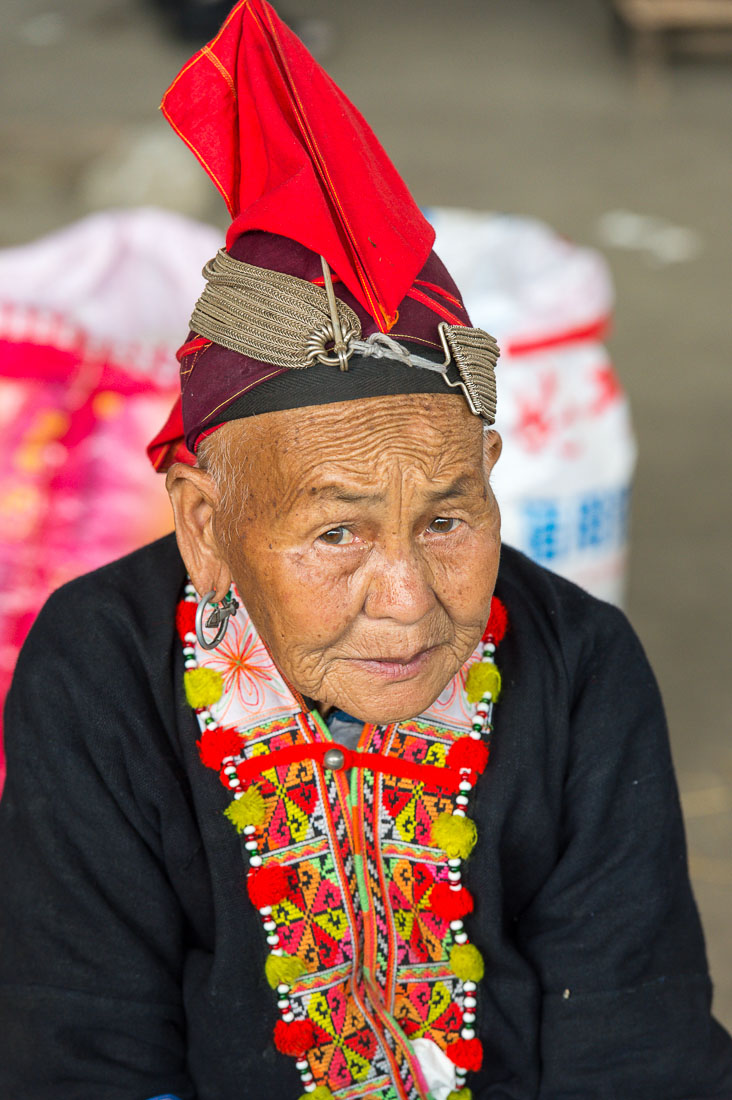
(393, 669)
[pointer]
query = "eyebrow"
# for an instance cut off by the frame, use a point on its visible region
(461, 487)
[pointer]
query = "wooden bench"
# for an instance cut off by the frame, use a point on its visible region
(699, 25)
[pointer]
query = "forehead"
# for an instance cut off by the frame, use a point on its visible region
(427, 436)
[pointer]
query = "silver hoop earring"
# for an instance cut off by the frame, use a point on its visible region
(219, 617)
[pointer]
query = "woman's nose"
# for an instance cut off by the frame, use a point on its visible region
(400, 588)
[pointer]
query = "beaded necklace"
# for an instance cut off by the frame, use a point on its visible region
(222, 748)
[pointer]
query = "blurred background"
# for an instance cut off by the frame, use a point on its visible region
(600, 131)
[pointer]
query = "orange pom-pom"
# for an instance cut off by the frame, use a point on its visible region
(497, 623)
(185, 618)
(467, 753)
(295, 1037)
(216, 743)
(466, 1053)
(268, 885)
(449, 904)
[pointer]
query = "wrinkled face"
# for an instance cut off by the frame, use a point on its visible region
(367, 549)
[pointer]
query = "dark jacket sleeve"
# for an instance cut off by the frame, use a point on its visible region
(91, 931)
(613, 932)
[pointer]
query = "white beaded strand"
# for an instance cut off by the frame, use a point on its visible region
(481, 727)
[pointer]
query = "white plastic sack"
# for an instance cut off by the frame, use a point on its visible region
(124, 281)
(563, 481)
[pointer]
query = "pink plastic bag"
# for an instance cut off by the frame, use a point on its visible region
(89, 322)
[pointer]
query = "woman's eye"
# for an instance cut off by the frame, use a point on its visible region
(443, 525)
(337, 536)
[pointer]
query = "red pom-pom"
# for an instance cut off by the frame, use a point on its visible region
(449, 904)
(216, 743)
(185, 618)
(466, 1053)
(498, 622)
(467, 753)
(295, 1037)
(268, 885)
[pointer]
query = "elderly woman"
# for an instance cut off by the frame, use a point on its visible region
(256, 838)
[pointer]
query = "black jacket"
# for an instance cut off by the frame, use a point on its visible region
(131, 960)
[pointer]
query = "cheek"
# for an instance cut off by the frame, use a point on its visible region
(303, 598)
(465, 578)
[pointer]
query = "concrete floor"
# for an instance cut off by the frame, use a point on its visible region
(527, 107)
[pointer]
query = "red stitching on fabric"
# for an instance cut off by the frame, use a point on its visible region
(198, 344)
(440, 290)
(436, 307)
(320, 281)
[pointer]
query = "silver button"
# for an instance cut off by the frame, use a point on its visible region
(334, 759)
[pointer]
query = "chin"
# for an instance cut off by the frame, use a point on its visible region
(382, 706)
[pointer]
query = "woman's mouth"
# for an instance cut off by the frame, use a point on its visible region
(392, 669)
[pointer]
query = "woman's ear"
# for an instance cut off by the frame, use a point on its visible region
(492, 447)
(195, 498)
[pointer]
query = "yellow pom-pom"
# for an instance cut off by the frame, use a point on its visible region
(247, 810)
(455, 835)
(204, 686)
(283, 969)
(466, 962)
(482, 677)
(322, 1092)
(460, 1094)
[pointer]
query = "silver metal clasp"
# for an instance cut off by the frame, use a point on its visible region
(340, 347)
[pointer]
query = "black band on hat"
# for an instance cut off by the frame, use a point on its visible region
(325, 385)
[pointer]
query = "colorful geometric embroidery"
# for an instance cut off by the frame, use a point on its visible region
(357, 879)
(311, 919)
(413, 808)
(420, 933)
(428, 1010)
(290, 796)
(345, 1043)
